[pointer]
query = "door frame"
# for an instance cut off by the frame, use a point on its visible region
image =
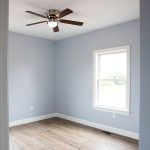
(4, 138)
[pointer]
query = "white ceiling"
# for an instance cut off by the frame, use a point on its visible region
(95, 14)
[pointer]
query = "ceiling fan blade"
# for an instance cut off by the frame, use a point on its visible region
(33, 13)
(65, 12)
(71, 22)
(35, 23)
(56, 29)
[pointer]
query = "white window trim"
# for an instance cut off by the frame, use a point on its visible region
(105, 109)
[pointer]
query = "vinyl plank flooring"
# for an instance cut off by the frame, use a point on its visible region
(59, 134)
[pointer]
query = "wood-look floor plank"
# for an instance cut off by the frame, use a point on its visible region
(58, 134)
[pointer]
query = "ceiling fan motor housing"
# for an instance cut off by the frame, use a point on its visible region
(52, 14)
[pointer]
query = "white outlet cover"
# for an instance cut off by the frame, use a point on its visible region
(113, 116)
(31, 107)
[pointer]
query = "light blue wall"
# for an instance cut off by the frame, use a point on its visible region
(31, 76)
(74, 74)
(58, 75)
(145, 76)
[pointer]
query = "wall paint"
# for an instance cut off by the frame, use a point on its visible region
(35, 63)
(145, 74)
(31, 76)
(74, 74)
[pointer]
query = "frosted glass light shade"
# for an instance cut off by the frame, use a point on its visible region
(52, 24)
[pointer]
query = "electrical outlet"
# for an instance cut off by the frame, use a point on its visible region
(113, 116)
(31, 108)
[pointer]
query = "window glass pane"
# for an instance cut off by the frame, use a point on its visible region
(112, 80)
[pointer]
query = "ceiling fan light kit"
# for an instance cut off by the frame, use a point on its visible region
(52, 23)
(53, 17)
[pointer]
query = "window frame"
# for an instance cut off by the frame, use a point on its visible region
(128, 98)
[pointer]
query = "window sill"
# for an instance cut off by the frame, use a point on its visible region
(113, 111)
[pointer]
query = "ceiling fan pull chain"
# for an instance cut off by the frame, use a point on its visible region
(54, 36)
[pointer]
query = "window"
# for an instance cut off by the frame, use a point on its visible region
(112, 79)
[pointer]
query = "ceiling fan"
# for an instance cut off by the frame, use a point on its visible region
(53, 17)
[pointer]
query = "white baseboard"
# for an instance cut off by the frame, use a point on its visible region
(100, 126)
(77, 120)
(29, 120)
